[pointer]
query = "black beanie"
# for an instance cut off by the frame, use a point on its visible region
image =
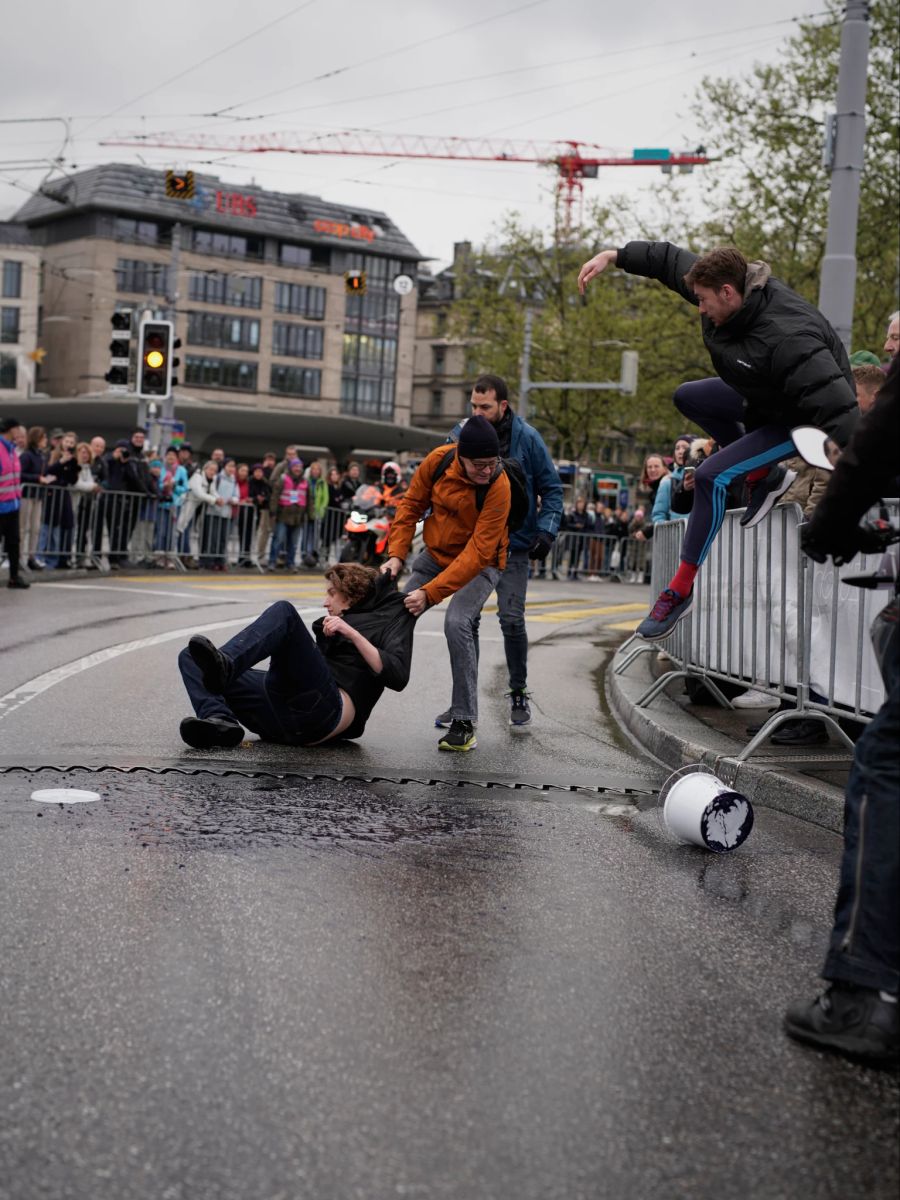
(478, 439)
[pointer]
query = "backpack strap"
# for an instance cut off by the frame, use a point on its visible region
(443, 465)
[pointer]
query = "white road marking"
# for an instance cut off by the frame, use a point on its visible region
(133, 591)
(41, 683)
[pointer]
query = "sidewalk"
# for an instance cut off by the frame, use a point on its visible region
(809, 785)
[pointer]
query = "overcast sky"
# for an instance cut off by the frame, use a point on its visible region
(618, 76)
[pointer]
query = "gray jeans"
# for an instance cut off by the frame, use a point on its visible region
(460, 629)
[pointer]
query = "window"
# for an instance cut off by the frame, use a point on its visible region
(297, 341)
(296, 381)
(146, 278)
(220, 329)
(9, 324)
(368, 398)
(301, 300)
(238, 291)
(213, 241)
(294, 256)
(12, 280)
(220, 373)
(8, 374)
(437, 403)
(439, 360)
(127, 229)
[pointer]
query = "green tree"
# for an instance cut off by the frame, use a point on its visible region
(769, 193)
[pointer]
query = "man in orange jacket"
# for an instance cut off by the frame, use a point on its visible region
(466, 542)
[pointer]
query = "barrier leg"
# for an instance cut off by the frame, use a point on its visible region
(782, 718)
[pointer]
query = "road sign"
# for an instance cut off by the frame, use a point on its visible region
(403, 285)
(180, 185)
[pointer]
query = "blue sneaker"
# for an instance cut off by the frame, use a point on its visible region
(669, 609)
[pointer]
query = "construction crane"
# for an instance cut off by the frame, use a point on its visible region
(574, 161)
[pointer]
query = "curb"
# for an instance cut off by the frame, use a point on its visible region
(675, 738)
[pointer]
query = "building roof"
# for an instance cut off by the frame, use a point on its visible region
(140, 192)
(13, 234)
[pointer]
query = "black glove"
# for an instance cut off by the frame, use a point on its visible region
(540, 547)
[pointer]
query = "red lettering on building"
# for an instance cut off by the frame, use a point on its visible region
(235, 204)
(337, 229)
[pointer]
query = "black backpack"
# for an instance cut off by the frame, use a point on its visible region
(520, 502)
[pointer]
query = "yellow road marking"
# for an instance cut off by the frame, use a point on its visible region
(625, 626)
(577, 614)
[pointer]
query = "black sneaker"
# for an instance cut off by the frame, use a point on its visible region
(212, 662)
(18, 583)
(460, 736)
(203, 733)
(764, 494)
(851, 1020)
(519, 709)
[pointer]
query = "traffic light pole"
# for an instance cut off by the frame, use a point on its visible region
(158, 418)
(843, 154)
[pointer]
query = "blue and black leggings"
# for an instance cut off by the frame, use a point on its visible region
(719, 409)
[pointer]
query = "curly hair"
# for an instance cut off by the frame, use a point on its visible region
(352, 581)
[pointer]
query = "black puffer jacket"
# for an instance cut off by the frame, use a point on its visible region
(777, 351)
(383, 620)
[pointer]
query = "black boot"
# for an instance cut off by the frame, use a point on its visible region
(212, 662)
(851, 1020)
(203, 733)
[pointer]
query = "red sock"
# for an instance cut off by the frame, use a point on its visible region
(757, 475)
(683, 579)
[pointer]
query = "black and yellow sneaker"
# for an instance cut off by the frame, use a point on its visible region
(460, 736)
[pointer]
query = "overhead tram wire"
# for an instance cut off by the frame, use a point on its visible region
(202, 63)
(380, 57)
(635, 49)
(562, 62)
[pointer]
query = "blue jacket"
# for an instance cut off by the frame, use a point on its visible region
(662, 504)
(527, 447)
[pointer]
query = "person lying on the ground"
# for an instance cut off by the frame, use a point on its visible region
(317, 688)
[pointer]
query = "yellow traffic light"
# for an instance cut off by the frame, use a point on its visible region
(154, 359)
(355, 283)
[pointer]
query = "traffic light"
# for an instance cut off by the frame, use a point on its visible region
(119, 349)
(154, 359)
(355, 283)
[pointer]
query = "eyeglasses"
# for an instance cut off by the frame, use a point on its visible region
(481, 467)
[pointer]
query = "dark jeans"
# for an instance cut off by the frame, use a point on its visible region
(719, 409)
(9, 535)
(865, 940)
(296, 701)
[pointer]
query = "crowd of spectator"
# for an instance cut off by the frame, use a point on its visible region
(83, 500)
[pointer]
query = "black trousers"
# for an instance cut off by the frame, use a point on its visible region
(9, 535)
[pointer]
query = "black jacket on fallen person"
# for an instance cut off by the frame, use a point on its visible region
(383, 620)
(777, 351)
(869, 466)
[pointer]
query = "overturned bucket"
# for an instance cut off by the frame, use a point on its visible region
(699, 808)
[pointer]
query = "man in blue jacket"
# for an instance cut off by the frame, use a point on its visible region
(518, 440)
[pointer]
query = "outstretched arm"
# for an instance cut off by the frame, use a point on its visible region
(594, 267)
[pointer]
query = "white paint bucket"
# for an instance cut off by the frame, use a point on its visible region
(699, 808)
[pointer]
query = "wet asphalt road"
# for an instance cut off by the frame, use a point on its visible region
(238, 987)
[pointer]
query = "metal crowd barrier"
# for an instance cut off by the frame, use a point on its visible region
(65, 527)
(592, 556)
(767, 617)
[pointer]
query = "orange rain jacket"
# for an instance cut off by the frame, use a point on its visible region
(462, 540)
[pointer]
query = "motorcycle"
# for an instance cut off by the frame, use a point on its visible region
(367, 528)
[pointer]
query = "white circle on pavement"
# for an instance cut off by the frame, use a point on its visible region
(403, 285)
(63, 796)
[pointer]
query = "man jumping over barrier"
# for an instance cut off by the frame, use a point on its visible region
(779, 364)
